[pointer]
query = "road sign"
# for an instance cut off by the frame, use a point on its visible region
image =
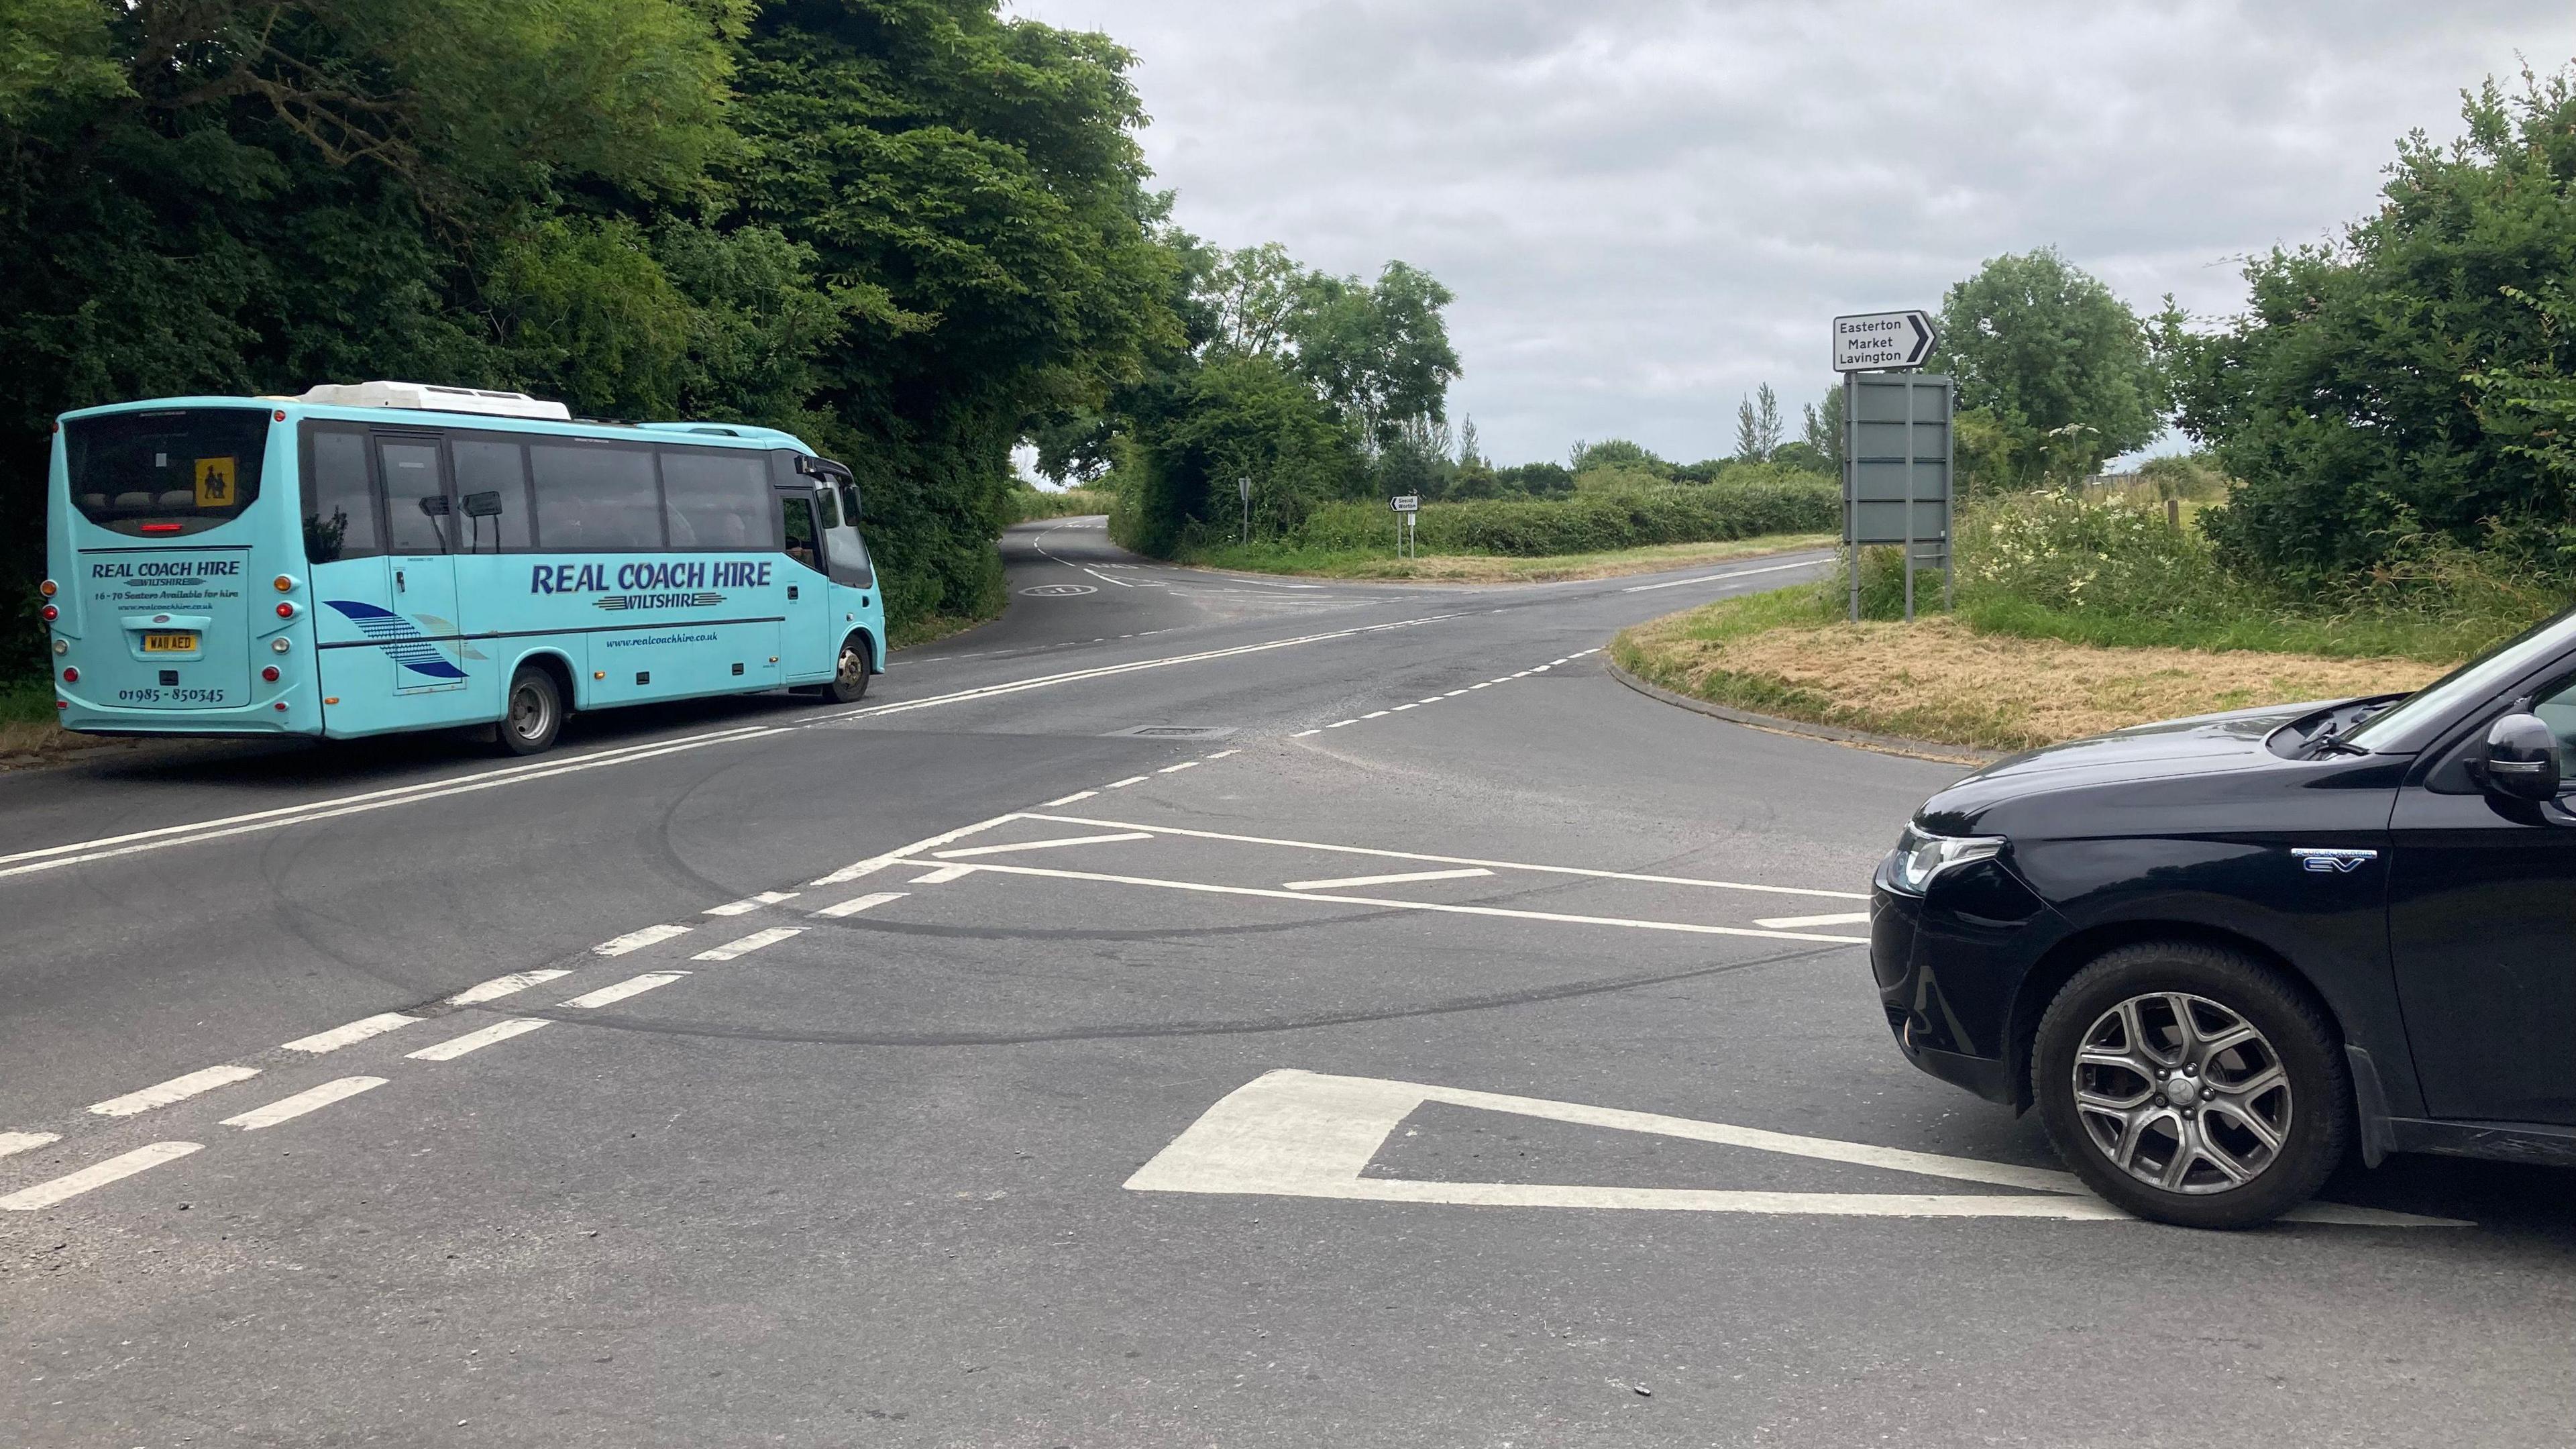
(1879, 341)
(1896, 472)
(1244, 487)
(1409, 503)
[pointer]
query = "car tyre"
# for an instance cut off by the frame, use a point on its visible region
(532, 714)
(2190, 1085)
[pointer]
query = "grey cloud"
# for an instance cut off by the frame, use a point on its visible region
(1648, 208)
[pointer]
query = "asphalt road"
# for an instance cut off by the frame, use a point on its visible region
(1192, 1011)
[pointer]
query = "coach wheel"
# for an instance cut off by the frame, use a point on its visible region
(2190, 1085)
(850, 680)
(535, 714)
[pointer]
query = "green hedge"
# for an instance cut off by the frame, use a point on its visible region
(1589, 523)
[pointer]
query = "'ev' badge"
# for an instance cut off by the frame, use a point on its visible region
(2317, 860)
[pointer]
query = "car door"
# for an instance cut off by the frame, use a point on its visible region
(2482, 931)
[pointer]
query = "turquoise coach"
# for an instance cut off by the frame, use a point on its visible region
(376, 557)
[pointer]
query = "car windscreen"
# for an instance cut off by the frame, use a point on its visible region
(2410, 724)
(165, 472)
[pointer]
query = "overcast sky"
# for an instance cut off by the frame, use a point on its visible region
(1647, 207)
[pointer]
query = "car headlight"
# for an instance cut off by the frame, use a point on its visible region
(1920, 857)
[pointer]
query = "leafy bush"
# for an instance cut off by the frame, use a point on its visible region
(1030, 504)
(1587, 523)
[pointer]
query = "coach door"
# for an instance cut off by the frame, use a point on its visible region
(804, 590)
(420, 575)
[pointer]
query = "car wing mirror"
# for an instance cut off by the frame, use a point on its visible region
(2520, 761)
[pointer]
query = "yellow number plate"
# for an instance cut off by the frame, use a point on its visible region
(169, 643)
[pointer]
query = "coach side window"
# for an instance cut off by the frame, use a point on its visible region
(595, 496)
(492, 494)
(802, 544)
(717, 499)
(339, 507)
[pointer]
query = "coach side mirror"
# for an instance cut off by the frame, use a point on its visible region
(2521, 758)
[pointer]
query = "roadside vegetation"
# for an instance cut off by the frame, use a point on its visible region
(2386, 480)
(1264, 556)
(1027, 505)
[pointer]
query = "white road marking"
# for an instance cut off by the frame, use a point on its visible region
(1847, 918)
(1340, 723)
(1453, 694)
(1371, 851)
(500, 986)
(475, 1041)
(97, 1174)
(177, 1089)
(311, 1099)
(1069, 799)
(1376, 714)
(849, 873)
(1435, 699)
(1715, 578)
(1056, 844)
(638, 940)
(749, 904)
(351, 1034)
(1488, 684)
(1304, 1134)
(162, 837)
(1221, 754)
(943, 875)
(861, 903)
(736, 949)
(1401, 708)
(631, 986)
(16, 1142)
(1370, 880)
(1632, 923)
(1123, 784)
(1301, 734)
(1176, 769)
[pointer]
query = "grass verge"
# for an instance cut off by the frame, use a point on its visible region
(1318, 563)
(1790, 654)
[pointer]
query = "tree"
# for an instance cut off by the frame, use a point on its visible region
(2399, 382)
(1378, 354)
(2060, 365)
(1824, 429)
(1757, 426)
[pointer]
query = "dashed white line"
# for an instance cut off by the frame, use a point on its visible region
(1123, 784)
(749, 904)
(1176, 769)
(1340, 723)
(97, 1174)
(638, 940)
(861, 903)
(757, 940)
(849, 873)
(500, 986)
(1221, 754)
(1301, 734)
(1401, 708)
(1370, 880)
(1488, 684)
(631, 986)
(311, 1099)
(351, 1034)
(943, 875)
(1435, 699)
(16, 1142)
(1781, 923)
(474, 1041)
(1376, 714)
(1453, 694)
(1069, 799)
(1055, 844)
(177, 1089)
(1716, 578)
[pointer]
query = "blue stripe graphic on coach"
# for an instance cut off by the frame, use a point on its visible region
(399, 638)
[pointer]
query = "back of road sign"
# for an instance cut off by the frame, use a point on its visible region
(1897, 436)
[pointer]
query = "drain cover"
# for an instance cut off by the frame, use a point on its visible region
(1176, 732)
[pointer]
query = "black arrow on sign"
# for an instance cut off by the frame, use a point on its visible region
(1922, 338)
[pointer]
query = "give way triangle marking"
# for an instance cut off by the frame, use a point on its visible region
(1304, 1134)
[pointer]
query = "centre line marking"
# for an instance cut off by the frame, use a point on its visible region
(500, 986)
(312, 1099)
(1176, 769)
(1123, 784)
(631, 986)
(1056, 844)
(97, 1174)
(749, 904)
(1369, 880)
(638, 940)
(474, 1041)
(177, 1089)
(1681, 880)
(1388, 903)
(1716, 578)
(862, 903)
(1301, 734)
(1848, 918)
(748, 944)
(1221, 754)
(15, 1142)
(350, 1035)
(943, 875)
(1069, 799)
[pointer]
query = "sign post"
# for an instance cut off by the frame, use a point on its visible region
(1244, 487)
(1897, 445)
(1408, 508)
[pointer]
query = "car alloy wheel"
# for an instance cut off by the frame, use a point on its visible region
(2182, 1093)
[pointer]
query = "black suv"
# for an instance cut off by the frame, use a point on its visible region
(2218, 953)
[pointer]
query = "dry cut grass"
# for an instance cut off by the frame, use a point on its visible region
(1937, 680)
